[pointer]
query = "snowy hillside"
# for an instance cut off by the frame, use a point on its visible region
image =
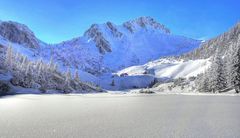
(169, 68)
(158, 71)
(221, 43)
(18, 33)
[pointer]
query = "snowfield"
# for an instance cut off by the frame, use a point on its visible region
(163, 70)
(112, 115)
(170, 68)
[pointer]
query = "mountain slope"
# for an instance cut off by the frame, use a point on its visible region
(209, 48)
(18, 33)
(168, 68)
(191, 64)
(104, 48)
(109, 47)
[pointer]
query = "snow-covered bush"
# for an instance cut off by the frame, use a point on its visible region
(179, 82)
(146, 91)
(202, 82)
(4, 88)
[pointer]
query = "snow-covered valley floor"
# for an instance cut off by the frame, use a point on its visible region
(119, 115)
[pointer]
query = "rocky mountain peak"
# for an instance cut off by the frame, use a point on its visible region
(113, 29)
(99, 34)
(96, 35)
(144, 22)
(18, 33)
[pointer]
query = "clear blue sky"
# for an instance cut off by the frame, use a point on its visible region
(57, 20)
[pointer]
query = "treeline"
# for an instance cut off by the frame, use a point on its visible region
(224, 73)
(43, 76)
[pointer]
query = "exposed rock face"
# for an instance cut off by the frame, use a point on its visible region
(96, 32)
(97, 36)
(18, 33)
(129, 27)
(144, 22)
(114, 30)
(222, 43)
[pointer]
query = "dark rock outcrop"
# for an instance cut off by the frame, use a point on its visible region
(18, 33)
(97, 36)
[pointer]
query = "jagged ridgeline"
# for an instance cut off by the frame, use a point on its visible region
(43, 76)
(104, 48)
(18, 33)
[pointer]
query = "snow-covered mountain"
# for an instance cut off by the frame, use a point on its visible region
(18, 33)
(187, 65)
(106, 47)
(109, 47)
(115, 57)
(133, 48)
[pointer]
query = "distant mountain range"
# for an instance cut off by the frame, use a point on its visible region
(142, 49)
(106, 47)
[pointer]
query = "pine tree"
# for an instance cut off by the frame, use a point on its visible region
(23, 63)
(113, 83)
(9, 57)
(67, 88)
(217, 74)
(76, 76)
(68, 75)
(27, 68)
(234, 73)
(39, 69)
(55, 67)
(202, 82)
(51, 65)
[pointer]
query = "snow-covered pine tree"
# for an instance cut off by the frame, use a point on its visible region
(27, 70)
(234, 60)
(39, 67)
(113, 83)
(51, 65)
(23, 63)
(67, 86)
(228, 61)
(202, 82)
(76, 76)
(217, 74)
(9, 57)
(42, 76)
(55, 67)
(68, 75)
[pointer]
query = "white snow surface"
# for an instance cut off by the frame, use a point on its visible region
(107, 116)
(169, 68)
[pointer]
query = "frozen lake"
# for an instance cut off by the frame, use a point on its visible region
(107, 116)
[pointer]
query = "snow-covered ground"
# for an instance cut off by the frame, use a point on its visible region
(163, 70)
(169, 68)
(113, 115)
